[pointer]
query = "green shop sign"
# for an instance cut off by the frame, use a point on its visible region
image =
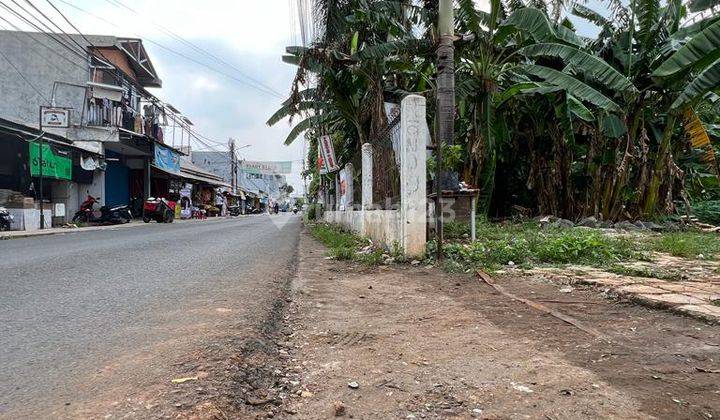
(53, 165)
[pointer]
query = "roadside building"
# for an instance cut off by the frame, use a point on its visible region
(66, 169)
(260, 181)
(124, 132)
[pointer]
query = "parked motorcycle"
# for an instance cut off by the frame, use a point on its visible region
(5, 219)
(108, 215)
(234, 210)
(158, 209)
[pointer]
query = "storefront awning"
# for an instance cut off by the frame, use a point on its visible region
(204, 179)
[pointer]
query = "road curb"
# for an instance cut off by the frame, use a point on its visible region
(39, 233)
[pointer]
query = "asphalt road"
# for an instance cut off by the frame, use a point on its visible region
(87, 316)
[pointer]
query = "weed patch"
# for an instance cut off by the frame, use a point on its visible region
(644, 272)
(344, 245)
(704, 245)
(525, 245)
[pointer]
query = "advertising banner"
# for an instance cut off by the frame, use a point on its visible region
(53, 165)
(267, 167)
(328, 153)
(167, 159)
(322, 168)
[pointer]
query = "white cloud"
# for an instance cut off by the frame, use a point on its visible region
(249, 26)
(204, 83)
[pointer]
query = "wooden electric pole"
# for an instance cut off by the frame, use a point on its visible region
(445, 109)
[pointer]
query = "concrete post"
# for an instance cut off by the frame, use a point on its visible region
(367, 177)
(413, 188)
(349, 186)
(337, 192)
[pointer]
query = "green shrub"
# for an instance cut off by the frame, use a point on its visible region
(688, 244)
(455, 230)
(527, 244)
(312, 212)
(707, 211)
(344, 245)
(334, 236)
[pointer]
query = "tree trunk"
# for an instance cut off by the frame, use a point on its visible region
(660, 169)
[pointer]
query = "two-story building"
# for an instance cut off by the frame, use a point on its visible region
(117, 129)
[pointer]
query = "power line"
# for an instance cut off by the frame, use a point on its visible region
(71, 39)
(95, 49)
(159, 45)
(172, 34)
(39, 29)
(17, 31)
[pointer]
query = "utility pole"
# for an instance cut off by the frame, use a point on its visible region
(445, 109)
(40, 167)
(233, 166)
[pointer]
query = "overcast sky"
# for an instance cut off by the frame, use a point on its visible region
(250, 35)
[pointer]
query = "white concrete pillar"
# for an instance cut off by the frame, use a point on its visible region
(413, 194)
(349, 186)
(337, 192)
(367, 176)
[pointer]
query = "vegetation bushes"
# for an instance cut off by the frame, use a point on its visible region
(525, 245)
(612, 127)
(344, 245)
(707, 211)
(704, 245)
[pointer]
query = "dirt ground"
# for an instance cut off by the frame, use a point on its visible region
(396, 342)
(420, 343)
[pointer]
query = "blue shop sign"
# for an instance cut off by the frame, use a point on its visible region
(167, 159)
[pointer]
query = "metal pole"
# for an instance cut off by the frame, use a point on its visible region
(40, 164)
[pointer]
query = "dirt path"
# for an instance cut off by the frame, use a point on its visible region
(420, 343)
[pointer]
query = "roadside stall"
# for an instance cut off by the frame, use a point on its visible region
(205, 189)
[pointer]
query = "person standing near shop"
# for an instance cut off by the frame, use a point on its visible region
(219, 201)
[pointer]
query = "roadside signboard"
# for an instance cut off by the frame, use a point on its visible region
(53, 165)
(268, 167)
(54, 117)
(167, 159)
(328, 153)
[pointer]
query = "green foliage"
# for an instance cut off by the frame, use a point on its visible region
(633, 271)
(546, 119)
(527, 245)
(707, 211)
(688, 244)
(334, 237)
(456, 230)
(312, 212)
(573, 86)
(344, 245)
(592, 66)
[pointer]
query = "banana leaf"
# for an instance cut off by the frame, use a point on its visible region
(707, 80)
(573, 86)
(528, 21)
(588, 64)
(701, 50)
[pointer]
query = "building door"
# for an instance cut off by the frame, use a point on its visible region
(117, 182)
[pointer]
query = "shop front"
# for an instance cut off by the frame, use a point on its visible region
(36, 166)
